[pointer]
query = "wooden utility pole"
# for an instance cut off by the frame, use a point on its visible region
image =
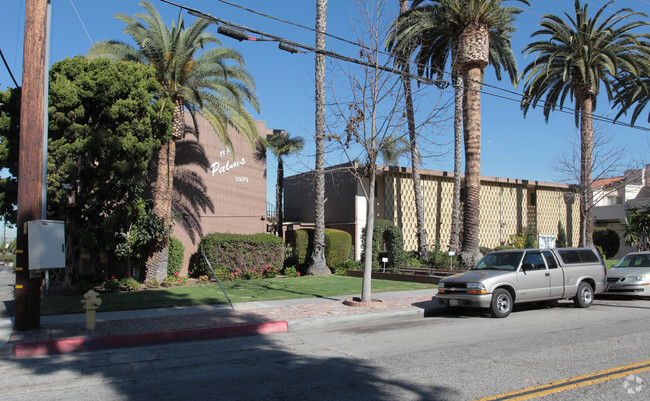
(30, 161)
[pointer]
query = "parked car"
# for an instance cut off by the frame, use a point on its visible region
(504, 278)
(631, 275)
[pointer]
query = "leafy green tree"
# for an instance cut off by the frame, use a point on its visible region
(470, 34)
(104, 127)
(211, 82)
(577, 55)
(282, 144)
(9, 134)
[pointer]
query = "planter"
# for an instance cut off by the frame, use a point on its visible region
(396, 277)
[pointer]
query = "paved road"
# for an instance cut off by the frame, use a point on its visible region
(444, 357)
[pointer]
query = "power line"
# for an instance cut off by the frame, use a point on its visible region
(8, 69)
(440, 84)
(285, 42)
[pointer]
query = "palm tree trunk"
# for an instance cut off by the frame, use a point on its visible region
(423, 251)
(586, 165)
(470, 253)
(454, 240)
(319, 266)
(162, 187)
(278, 198)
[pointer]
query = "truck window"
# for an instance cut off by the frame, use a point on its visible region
(550, 259)
(535, 259)
(588, 256)
(570, 256)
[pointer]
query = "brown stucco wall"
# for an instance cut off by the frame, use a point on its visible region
(235, 186)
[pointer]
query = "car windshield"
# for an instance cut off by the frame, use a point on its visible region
(634, 261)
(500, 261)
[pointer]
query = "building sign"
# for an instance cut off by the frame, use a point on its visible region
(220, 167)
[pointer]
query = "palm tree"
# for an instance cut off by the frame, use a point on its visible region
(318, 266)
(282, 144)
(474, 33)
(212, 83)
(633, 92)
(402, 60)
(577, 56)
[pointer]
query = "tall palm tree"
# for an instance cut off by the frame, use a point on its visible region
(576, 56)
(473, 33)
(212, 82)
(282, 144)
(318, 266)
(403, 62)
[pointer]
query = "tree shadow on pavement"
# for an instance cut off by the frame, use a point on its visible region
(282, 366)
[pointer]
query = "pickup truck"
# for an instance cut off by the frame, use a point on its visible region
(504, 278)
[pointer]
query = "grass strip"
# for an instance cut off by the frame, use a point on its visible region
(239, 291)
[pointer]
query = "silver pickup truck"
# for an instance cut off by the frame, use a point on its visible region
(504, 278)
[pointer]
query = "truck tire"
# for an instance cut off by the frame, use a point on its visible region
(585, 295)
(501, 304)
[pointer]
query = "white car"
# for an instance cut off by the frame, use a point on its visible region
(631, 275)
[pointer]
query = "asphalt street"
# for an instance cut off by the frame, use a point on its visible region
(447, 356)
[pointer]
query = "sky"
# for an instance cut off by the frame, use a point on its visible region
(512, 146)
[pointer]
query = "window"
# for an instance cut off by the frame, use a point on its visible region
(570, 256)
(535, 260)
(550, 259)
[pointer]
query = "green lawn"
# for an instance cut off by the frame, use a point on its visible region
(238, 291)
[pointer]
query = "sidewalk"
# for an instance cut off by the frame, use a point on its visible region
(67, 333)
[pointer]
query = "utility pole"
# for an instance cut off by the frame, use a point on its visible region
(30, 161)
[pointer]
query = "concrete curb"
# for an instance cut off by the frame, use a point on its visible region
(67, 345)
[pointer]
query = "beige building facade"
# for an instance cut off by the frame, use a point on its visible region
(507, 206)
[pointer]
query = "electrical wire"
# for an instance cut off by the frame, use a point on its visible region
(8, 69)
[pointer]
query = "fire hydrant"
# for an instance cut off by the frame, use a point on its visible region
(91, 302)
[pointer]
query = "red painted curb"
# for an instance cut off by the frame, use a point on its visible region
(25, 350)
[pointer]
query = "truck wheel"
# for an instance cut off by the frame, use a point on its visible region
(501, 304)
(585, 296)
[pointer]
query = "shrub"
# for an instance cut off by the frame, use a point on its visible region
(271, 271)
(531, 238)
(291, 272)
(608, 240)
(176, 252)
(151, 283)
(413, 262)
(204, 279)
(386, 231)
(254, 274)
(129, 284)
(233, 251)
(349, 264)
(561, 236)
(112, 284)
(337, 246)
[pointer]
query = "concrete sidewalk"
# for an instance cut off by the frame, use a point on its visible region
(67, 333)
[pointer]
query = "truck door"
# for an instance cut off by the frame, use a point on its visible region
(533, 278)
(557, 275)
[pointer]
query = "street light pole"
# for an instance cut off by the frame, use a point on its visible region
(30, 161)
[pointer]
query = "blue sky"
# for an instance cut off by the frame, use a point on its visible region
(512, 146)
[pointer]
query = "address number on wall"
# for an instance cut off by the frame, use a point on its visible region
(241, 179)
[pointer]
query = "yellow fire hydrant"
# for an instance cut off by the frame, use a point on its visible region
(91, 302)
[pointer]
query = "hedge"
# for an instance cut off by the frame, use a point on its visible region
(228, 252)
(608, 240)
(176, 252)
(337, 246)
(386, 231)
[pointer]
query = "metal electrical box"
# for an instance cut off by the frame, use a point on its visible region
(46, 244)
